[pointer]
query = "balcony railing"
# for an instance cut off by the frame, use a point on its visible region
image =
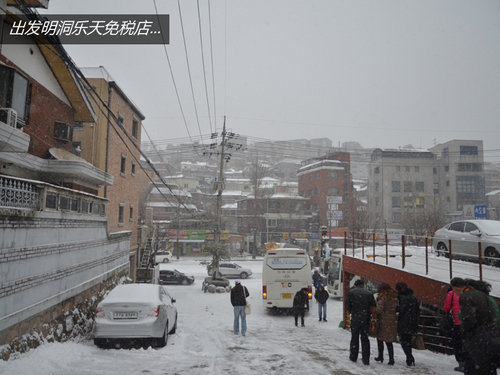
(19, 194)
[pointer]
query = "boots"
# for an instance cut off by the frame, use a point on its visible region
(390, 350)
(380, 346)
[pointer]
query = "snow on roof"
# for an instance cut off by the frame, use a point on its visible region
(176, 192)
(321, 163)
(230, 206)
(170, 204)
(494, 192)
(287, 196)
(136, 293)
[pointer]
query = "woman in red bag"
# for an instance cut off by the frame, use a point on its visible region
(452, 304)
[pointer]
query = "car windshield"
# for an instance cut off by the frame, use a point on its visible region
(491, 228)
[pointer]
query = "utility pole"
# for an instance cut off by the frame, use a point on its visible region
(220, 185)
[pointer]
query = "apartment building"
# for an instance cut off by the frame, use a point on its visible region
(460, 175)
(401, 182)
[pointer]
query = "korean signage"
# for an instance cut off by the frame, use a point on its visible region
(334, 199)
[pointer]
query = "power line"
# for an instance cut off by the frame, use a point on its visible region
(188, 67)
(172, 74)
(203, 63)
(212, 63)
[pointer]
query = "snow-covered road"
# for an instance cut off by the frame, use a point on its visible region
(205, 344)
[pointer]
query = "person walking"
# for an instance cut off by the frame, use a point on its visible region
(321, 297)
(360, 303)
(386, 329)
(480, 329)
(408, 315)
(452, 304)
(300, 304)
(239, 294)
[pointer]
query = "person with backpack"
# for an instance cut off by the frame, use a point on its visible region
(408, 316)
(300, 304)
(239, 294)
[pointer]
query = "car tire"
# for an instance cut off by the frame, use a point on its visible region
(442, 249)
(243, 275)
(162, 341)
(491, 256)
(166, 260)
(175, 326)
(100, 343)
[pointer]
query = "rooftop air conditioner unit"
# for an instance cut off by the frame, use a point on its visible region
(63, 131)
(8, 116)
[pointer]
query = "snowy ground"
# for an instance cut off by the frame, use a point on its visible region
(205, 344)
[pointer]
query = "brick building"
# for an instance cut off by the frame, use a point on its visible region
(327, 182)
(112, 144)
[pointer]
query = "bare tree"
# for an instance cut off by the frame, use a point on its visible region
(421, 225)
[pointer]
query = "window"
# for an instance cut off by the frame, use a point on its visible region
(122, 164)
(15, 93)
(407, 169)
(274, 204)
(419, 186)
(396, 217)
(396, 186)
(436, 187)
(310, 193)
(316, 191)
(407, 186)
(470, 167)
(120, 120)
(51, 201)
(444, 153)
(333, 174)
(398, 168)
(74, 205)
(457, 227)
(468, 150)
(63, 203)
(318, 175)
(131, 213)
(376, 170)
(135, 127)
(447, 182)
(376, 186)
(396, 202)
(272, 223)
(469, 227)
(133, 172)
(417, 169)
(377, 201)
(434, 171)
(446, 168)
(333, 191)
(419, 202)
(120, 213)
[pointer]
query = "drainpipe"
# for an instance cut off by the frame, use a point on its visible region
(110, 91)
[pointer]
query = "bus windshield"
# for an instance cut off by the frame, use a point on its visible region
(286, 263)
(334, 269)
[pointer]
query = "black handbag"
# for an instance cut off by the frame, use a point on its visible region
(446, 323)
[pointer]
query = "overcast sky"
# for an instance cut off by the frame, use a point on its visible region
(385, 73)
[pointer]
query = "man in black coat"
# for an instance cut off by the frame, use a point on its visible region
(408, 315)
(321, 297)
(361, 305)
(479, 327)
(300, 304)
(239, 296)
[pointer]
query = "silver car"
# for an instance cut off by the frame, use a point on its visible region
(232, 270)
(465, 236)
(136, 312)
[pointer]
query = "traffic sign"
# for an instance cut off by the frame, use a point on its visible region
(480, 211)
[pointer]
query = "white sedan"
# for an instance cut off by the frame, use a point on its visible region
(231, 270)
(135, 312)
(465, 236)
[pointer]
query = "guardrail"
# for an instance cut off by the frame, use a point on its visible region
(370, 244)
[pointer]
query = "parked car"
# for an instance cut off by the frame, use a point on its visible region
(163, 256)
(165, 274)
(135, 312)
(465, 235)
(231, 270)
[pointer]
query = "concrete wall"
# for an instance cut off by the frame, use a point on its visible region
(48, 257)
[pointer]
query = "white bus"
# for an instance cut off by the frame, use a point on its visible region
(284, 272)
